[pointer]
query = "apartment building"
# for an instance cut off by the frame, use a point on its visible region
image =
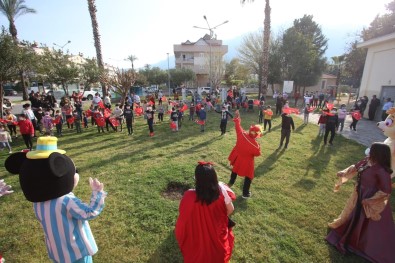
(204, 57)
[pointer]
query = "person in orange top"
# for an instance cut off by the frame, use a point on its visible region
(243, 154)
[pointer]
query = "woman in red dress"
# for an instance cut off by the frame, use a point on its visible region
(202, 229)
(366, 226)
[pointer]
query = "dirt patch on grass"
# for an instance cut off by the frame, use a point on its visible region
(175, 190)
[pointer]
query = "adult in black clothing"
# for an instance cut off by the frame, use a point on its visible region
(279, 104)
(286, 123)
(364, 104)
(374, 104)
(332, 121)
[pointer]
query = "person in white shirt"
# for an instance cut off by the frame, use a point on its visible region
(96, 100)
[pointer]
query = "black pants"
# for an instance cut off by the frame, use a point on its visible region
(265, 122)
(129, 125)
(372, 113)
(222, 126)
(246, 185)
(27, 138)
(285, 134)
(278, 109)
(12, 129)
(260, 118)
(108, 122)
(160, 116)
(59, 129)
(354, 124)
(384, 115)
(151, 125)
(328, 130)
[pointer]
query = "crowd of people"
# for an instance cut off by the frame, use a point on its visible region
(210, 238)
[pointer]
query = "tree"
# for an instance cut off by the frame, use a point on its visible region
(217, 69)
(181, 76)
(132, 58)
(354, 64)
(123, 80)
(8, 62)
(381, 25)
(12, 9)
(58, 68)
(27, 63)
(303, 47)
(96, 38)
(236, 73)
(91, 73)
(265, 50)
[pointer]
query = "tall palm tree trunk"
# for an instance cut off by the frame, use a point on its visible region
(266, 38)
(96, 38)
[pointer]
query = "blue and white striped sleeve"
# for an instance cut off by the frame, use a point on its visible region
(82, 211)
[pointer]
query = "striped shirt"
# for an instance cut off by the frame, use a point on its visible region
(68, 236)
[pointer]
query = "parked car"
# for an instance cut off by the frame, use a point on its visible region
(89, 94)
(203, 91)
(189, 91)
(8, 91)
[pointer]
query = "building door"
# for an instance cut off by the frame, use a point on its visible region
(386, 92)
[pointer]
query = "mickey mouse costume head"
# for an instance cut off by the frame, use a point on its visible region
(47, 176)
(44, 174)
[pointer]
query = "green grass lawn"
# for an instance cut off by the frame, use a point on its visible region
(284, 221)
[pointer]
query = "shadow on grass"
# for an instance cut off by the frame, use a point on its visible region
(167, 251)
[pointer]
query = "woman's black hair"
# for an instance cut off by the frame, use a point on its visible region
(207, 189)
(380, 153)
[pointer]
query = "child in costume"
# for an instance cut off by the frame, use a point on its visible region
(47, 177)
(242, 156)
(47, 123)
(207, 238)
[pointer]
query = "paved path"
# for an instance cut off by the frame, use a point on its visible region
(367, 131)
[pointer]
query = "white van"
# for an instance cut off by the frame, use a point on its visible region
(203, 91)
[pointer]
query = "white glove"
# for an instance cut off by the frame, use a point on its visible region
(5, 189)
(95, 184)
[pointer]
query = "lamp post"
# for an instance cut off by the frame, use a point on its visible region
(211, 29)
(168, 72)
(68, 42)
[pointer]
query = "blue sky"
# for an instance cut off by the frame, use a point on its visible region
(148, 29)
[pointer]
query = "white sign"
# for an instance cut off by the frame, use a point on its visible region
(288, 86)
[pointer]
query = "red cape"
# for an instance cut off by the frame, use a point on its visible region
(242, 155)
(202, 230)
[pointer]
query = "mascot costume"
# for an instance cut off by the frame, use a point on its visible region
(47, 176)
(388, 128)
(242, 156)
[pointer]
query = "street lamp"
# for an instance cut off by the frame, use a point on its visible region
(211, 29)
(68, 42)
(168, 72)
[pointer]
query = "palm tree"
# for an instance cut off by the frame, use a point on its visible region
(266, 38)
(12, 9)
(131, 58)
(96, 37)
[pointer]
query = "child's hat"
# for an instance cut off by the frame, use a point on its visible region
(45, 146)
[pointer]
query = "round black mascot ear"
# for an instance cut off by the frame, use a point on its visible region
(49, 178)
(14, 162)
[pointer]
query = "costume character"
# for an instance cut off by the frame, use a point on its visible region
(47, 176)
(365, 226)
(242, 156)
(388, 128)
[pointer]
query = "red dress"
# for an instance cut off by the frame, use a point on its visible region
(202, 230)
(242, 155)
(373, 240)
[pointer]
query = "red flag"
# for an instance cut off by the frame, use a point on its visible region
(150, 103)
(257, 102)
(173, 103)
(88, 113)
(164, 98)
(101, 105)
(356, 115)
(57, 120)
(138, 111)
(114, 121)
(311, 109)
(168, 112)
(184, 108)
(3, 121)
(290, 110)
(173, 125)
(200, 122)
(100, 121)
(70, 120)
(329, 106)
(268, 112)
(107, 113)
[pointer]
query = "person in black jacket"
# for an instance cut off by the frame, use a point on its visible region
(224, 119)
(286, 123)
(332, 121)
